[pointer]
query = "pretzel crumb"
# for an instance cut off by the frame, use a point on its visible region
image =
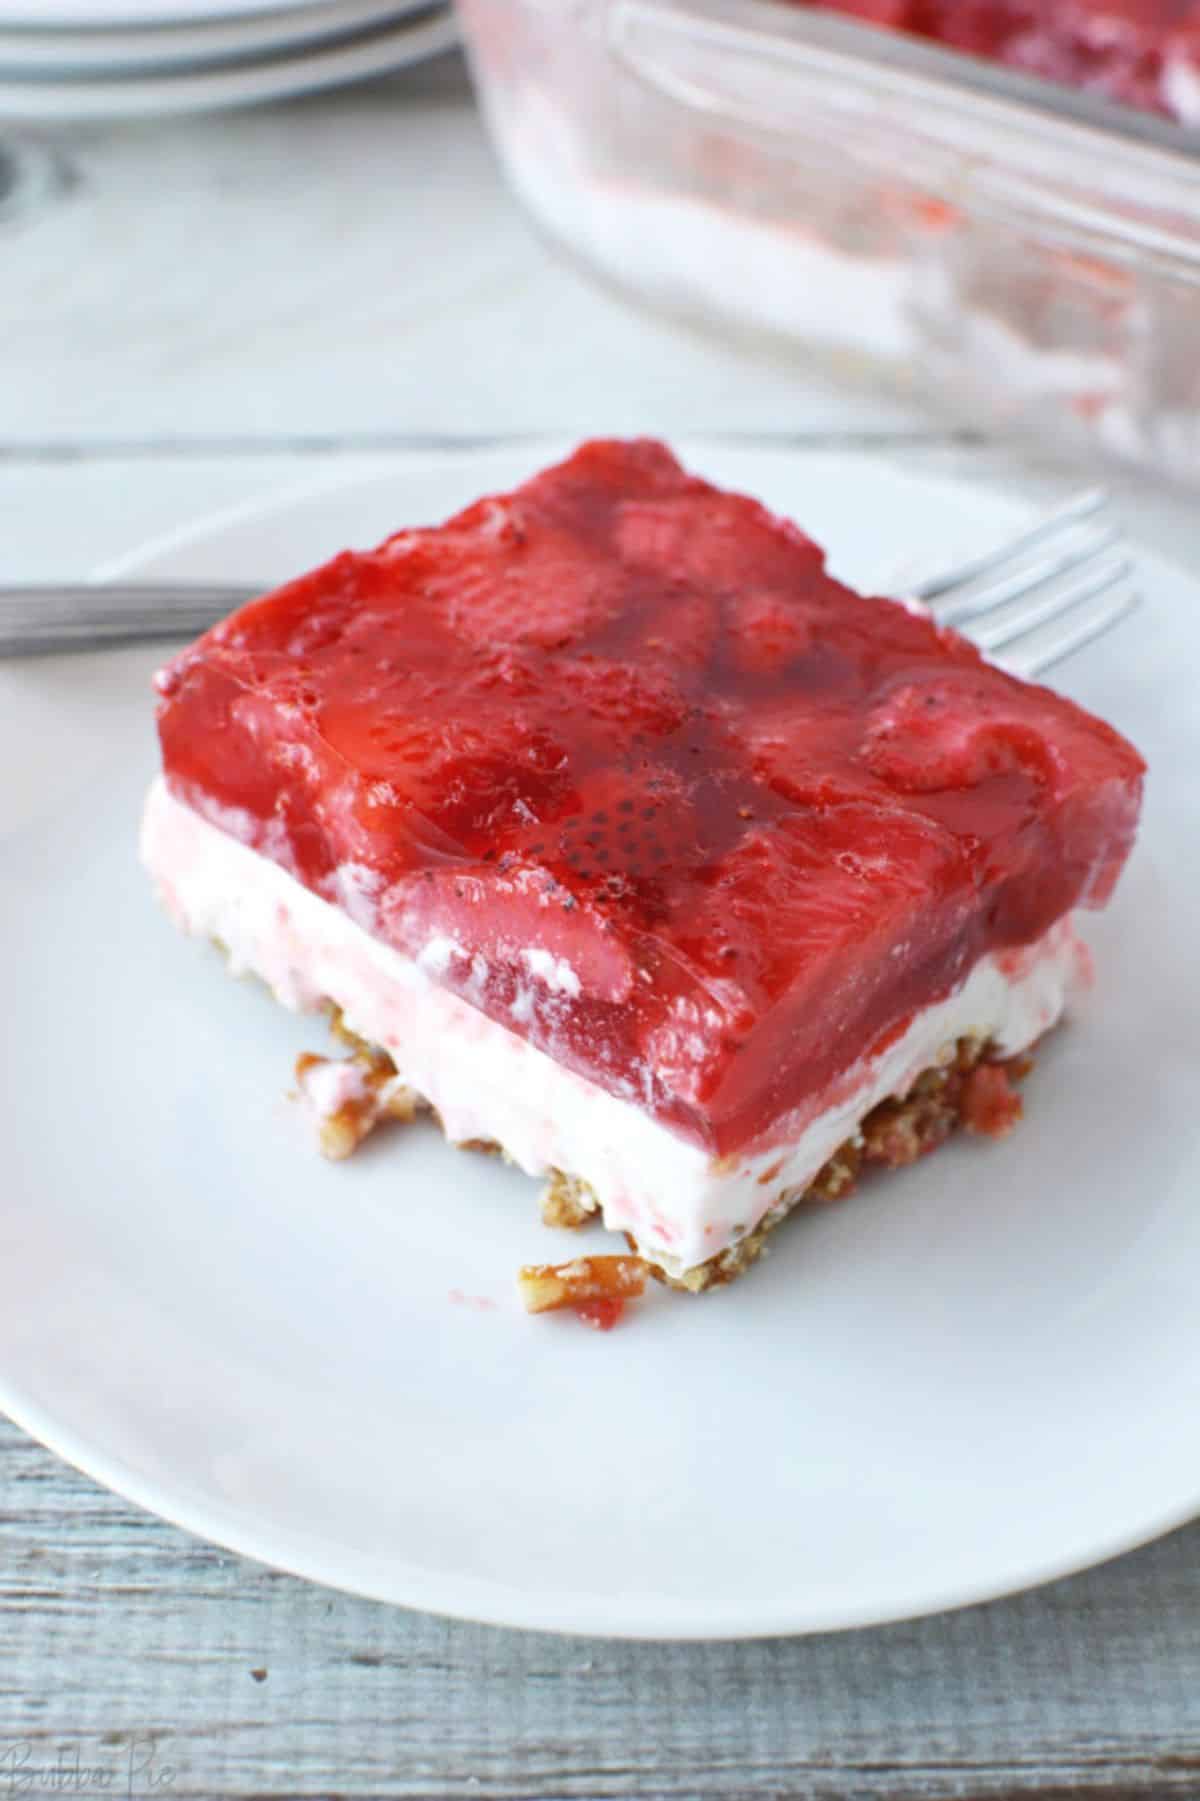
(598, 1288)
(367, 1091)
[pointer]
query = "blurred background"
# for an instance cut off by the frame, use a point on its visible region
(983, 214)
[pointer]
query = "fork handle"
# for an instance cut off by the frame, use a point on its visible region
(36, 619)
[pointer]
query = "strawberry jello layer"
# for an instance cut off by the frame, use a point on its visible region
(1142, 52)
(680, 1205)
(615, 764)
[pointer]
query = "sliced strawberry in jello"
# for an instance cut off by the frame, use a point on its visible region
(615, 759)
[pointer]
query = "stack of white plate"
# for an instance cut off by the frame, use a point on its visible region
(103, 59)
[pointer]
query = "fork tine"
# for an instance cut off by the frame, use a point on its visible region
(1069, 632)
(1025, 614)
(1078, 551)
(1083, 506)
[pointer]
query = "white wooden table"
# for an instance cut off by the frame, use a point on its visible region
(192, 314)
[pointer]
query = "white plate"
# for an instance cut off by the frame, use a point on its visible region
(101, 15)
(976, 1375)
(300, 70)
(75, 54)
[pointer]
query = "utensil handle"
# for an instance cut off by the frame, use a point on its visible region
(37, 619)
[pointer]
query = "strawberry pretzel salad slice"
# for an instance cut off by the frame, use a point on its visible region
(616, 832)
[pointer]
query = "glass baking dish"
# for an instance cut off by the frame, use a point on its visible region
(1029, 255)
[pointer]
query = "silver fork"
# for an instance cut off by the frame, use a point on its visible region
(1058, 585)
(1027, 604)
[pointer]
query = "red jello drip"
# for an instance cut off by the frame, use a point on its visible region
(602, 1314)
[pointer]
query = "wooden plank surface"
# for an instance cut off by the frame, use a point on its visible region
(116, 1630)
(192, 314)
